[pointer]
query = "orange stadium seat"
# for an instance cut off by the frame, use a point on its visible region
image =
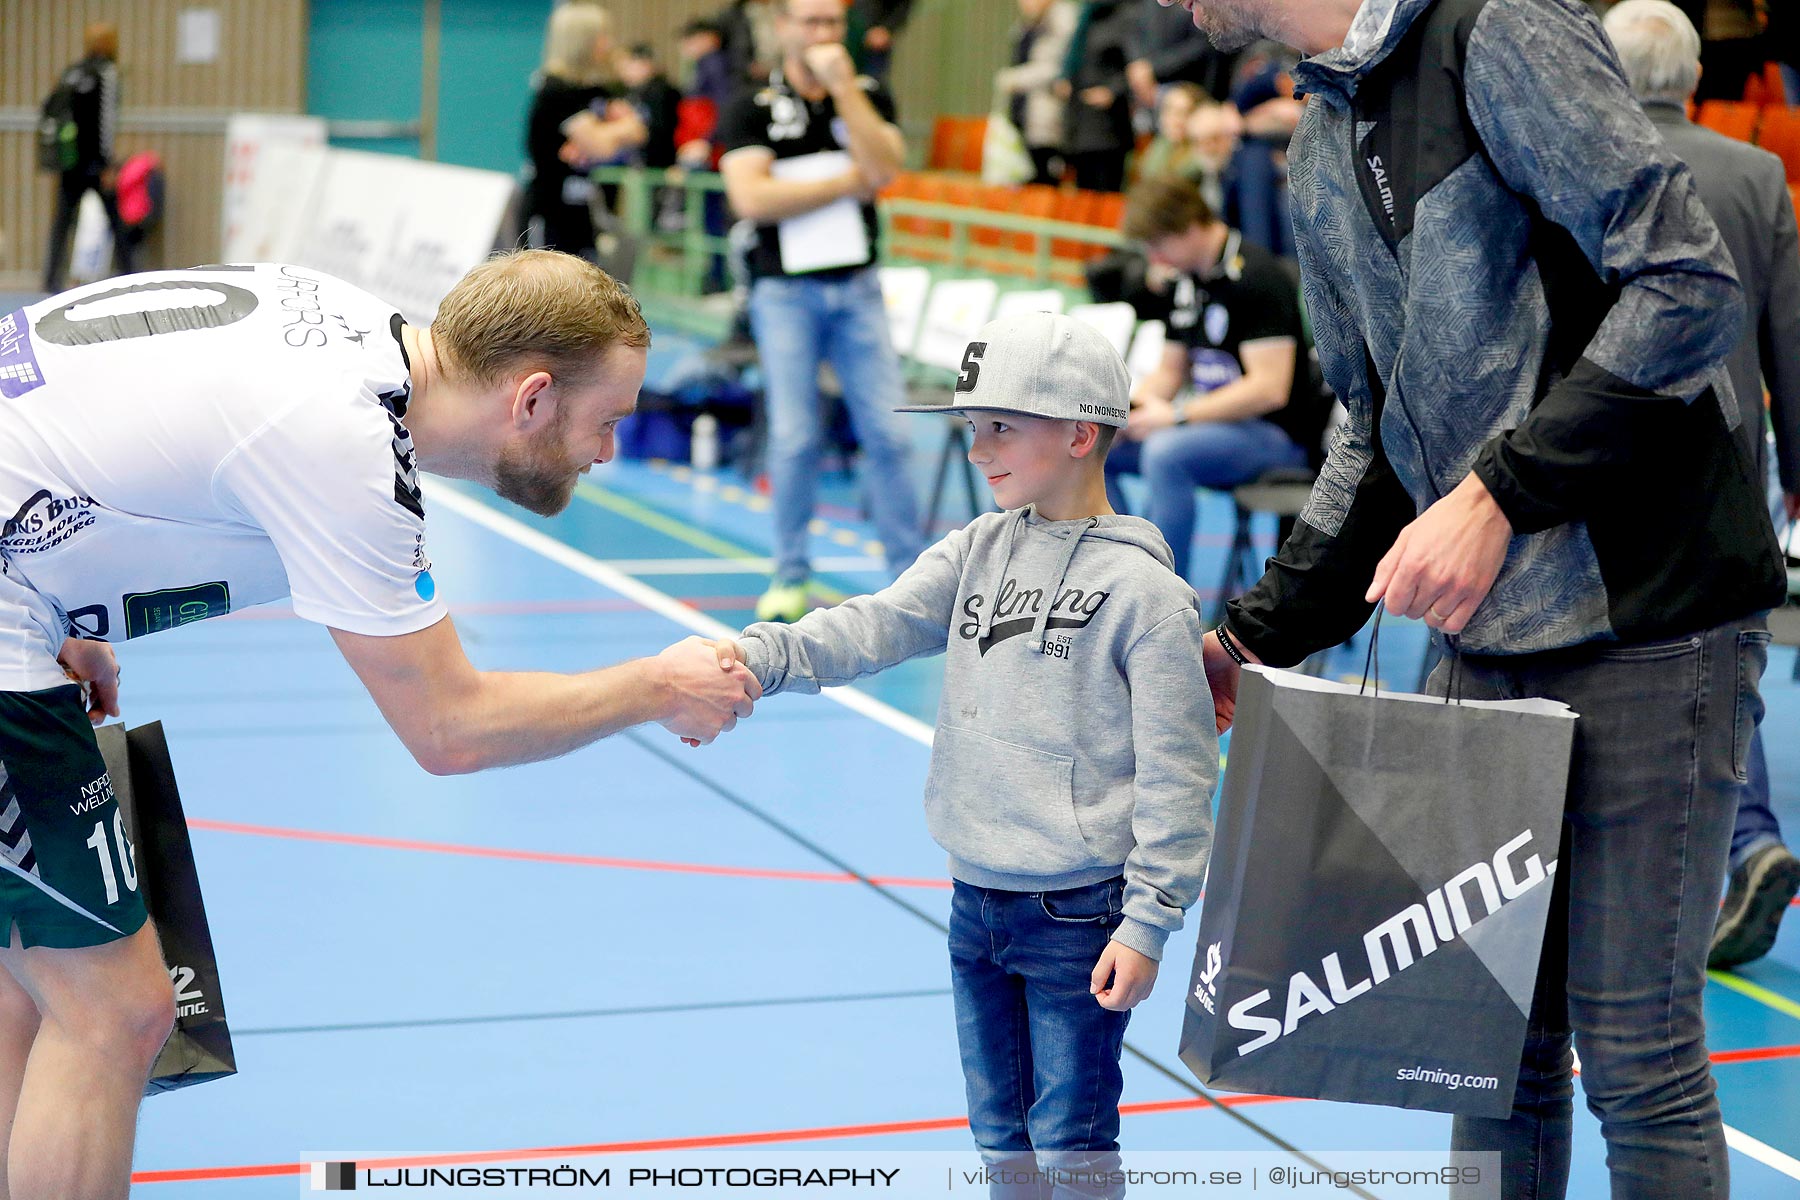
(1733, 118)
(956, 143)
(1781, 137)
(1076, 207)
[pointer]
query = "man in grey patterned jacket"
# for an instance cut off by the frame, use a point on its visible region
(1521, 301)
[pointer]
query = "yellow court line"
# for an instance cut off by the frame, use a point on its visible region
(683, 532)
(1756, 992)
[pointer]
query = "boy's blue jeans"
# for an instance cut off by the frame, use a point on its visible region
(1040, 1056)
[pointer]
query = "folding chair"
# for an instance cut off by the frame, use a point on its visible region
(1011, 304)
(1116, 320)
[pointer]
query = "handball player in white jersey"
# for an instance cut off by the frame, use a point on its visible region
(180, 444)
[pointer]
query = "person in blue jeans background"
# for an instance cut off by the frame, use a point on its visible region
(819, 141)
(1075, 753)
(1236, 346)
(1519, 297)
(1765, 874)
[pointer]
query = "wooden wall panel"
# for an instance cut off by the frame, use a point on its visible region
(176, 109)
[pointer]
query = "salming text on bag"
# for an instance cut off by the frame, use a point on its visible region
(1375, 908)
(143, 778)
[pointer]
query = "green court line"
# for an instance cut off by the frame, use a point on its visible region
(687, 534)
(1756, 992)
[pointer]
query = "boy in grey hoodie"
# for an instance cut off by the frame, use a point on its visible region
(1076, 749)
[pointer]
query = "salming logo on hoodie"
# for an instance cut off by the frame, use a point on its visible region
(1016, 608)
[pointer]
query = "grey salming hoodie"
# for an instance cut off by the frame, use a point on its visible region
(1075, 737)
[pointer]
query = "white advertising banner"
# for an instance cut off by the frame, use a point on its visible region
(403, 229)
(266, 183)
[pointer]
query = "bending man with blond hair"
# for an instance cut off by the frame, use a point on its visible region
(178, 444)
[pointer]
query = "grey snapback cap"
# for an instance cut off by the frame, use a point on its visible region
(1044, 365)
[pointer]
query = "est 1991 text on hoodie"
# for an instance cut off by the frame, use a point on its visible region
(1075, 738)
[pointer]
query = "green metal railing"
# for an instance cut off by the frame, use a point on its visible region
(677, 261)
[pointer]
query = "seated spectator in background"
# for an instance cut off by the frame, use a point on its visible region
(1040, 41)
(1234, 395)
(1165, 47)
(1256, 201)
(1097, 134)
(1213, 133)
(654, 98)
(1170, 152)
(572, 102)
(874, 24)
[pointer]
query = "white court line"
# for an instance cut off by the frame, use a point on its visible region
(728, 566)
(858, 702)
(1762, 1152)
(657, 602)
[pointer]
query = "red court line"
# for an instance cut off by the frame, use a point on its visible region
(540, 856)
(711, 1142)
(773, 1137)
(1756, 1054)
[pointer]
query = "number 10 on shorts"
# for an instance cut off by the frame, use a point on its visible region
(102, 847)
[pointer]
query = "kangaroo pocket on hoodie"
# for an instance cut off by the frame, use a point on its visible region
(1003, 807)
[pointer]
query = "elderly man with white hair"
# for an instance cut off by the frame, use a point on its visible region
(1745, 191)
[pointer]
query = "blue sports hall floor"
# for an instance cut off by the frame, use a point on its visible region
(644, 947)
(641, 945)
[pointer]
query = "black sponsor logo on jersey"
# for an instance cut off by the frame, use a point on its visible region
(45, 522)
(1016, 611)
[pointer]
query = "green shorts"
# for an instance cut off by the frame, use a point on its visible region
(68, 874)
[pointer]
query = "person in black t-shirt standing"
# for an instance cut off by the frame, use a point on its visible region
(1237, 343)
(804, 157)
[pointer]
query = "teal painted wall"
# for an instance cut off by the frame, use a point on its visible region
(363, 63)
(490, 49)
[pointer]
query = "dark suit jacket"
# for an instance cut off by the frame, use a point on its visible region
(1745, 191)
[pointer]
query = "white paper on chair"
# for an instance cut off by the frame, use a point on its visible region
(829, 236)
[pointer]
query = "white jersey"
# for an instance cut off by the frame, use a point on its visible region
(178, 444)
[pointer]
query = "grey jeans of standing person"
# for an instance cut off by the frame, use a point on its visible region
(1660, 756)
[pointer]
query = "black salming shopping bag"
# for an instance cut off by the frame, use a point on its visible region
(143, 778)
(1376, 902)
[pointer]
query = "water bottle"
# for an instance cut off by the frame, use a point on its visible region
(703, 445)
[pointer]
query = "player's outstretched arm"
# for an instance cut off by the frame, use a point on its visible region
(456, 719)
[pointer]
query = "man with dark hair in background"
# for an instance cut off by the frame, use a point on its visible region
(92, 87)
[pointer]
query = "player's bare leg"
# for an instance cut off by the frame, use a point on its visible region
(18, 1028)
(104, 1013)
